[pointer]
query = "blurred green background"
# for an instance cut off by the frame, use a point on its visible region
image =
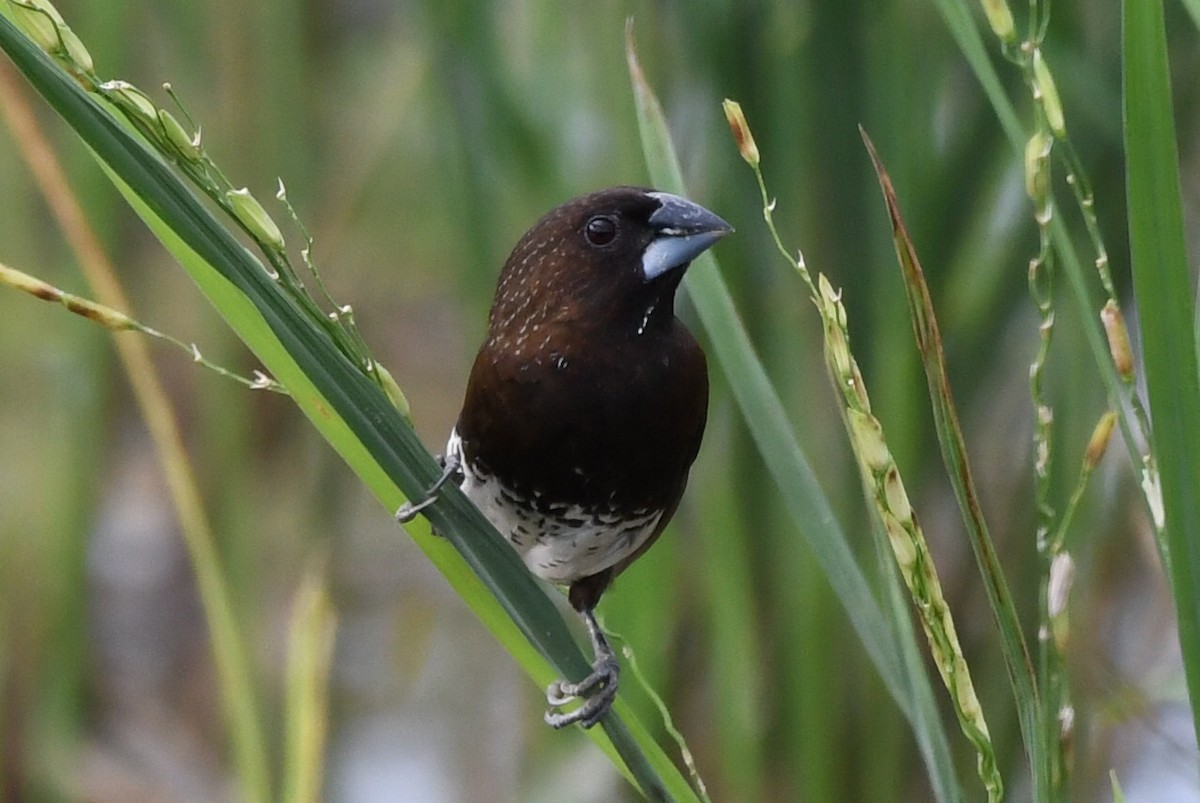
(419, 140)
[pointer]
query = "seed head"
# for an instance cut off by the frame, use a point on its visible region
(741, 131)
(256, 220)
(1118, 340)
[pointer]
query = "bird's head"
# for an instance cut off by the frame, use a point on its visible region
(612, 258)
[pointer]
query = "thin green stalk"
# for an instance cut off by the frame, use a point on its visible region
(1054, 615)
(883, 485)
(1041, 289)
(959, 20)
(685, 753)
(117, 321)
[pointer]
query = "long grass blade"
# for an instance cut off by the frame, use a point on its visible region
(929, 342)
(1162, 288)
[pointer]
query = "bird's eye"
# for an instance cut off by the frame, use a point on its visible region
(601, 230)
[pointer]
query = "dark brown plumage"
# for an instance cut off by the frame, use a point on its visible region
(586, 404)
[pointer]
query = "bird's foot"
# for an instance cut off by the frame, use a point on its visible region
(597, 690)
(451, 469)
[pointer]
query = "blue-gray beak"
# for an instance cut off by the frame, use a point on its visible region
(683, 230)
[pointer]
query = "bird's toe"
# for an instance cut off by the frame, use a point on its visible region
(597, 690)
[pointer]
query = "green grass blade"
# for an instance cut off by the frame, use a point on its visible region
(1016, 654)
(310, 656)
(350, 410)
(1163, 292)
(807, 504)
(737, 652)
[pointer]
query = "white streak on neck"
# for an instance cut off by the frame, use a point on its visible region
(646, 319)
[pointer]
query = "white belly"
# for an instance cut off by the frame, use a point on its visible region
(559, 542)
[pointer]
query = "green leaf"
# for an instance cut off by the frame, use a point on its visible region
(1163, 291)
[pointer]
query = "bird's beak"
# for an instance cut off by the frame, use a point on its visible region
(683, 230)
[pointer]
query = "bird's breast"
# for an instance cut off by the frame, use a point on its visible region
(594, 424)
(559, 541)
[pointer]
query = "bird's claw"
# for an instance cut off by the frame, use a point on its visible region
(409, 510)
(597, 690)
(450, 469)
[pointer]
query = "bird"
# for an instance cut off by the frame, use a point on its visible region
(586, 403)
